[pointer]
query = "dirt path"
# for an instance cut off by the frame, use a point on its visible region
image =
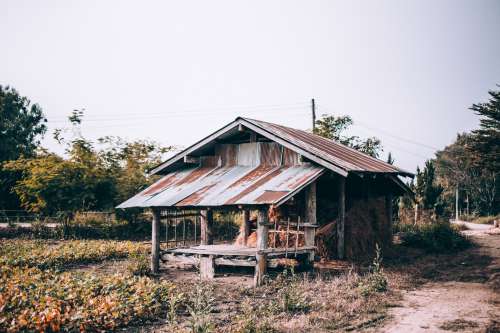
(459, 305)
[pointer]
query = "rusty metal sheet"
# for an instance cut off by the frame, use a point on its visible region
(338, 154)
(226, 185)
(327, 153)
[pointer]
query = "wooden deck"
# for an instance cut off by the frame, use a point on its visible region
(234, 255)
(238, 250)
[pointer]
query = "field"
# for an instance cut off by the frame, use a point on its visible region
(93, 285)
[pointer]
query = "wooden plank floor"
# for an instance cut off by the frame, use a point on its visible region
(236, 250)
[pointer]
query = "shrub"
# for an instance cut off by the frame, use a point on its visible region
(434, 238)
(92, 228)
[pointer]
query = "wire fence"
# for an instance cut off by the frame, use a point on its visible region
(22, 216)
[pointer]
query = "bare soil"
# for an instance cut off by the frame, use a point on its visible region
(460, 299)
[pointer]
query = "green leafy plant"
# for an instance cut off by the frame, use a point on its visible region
(139, 265)
(200, 304)
(256, 319)
(35, 300)
(375, 280)
(290, 298)
(174, 302)
(59, 255)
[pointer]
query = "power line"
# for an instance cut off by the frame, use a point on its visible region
(364, 125)
(214, 110)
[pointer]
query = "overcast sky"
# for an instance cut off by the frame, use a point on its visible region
(174, 71)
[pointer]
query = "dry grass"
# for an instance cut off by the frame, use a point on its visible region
(486, 219)
(458, 325)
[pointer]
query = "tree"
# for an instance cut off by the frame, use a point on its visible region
(22, 125)
(486, 139)
(426, 189)
(129, 163)
(96, 176)
(334, 128)
(50, 184)
(459, 166)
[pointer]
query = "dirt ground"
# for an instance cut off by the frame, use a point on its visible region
(427, 293)
(465, 302)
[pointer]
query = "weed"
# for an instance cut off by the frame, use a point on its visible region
(290, 297)
(174, 302)
(376, 280)
(254, 319)
(200, 304)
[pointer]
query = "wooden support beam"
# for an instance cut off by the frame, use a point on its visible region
(207, 267)
(388, 207)
(262, 239)
(206, 227)
(246, 225)
(191, 159)
(155, 241)
(310, 217)
(341, 219)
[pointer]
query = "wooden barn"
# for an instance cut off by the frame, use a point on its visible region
(297, 195)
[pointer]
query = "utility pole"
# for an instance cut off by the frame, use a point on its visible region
(456, 204)
(313, 109)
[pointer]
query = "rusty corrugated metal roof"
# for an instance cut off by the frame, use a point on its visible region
(336, 153)
(208, 186)
(327, 153)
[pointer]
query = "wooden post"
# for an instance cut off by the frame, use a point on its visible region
(246, 225)
(416, 213)
(388, 206)
(313, 109)
(341, 219)
(155, 241)
(206, 227)
(310, 233)
(207, 267)
(262, 239)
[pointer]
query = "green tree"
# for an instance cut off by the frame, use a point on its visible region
(129, 163)
(334, 128)
(50, 184)
(22, 124)
(486, 140)
(427, 190)
(459, 166)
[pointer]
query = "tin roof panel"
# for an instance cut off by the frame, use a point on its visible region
(235, 185)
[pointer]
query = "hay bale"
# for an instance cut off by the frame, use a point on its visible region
(326, 240)
(367, 224)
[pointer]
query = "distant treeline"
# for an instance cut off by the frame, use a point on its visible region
(97, 175)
